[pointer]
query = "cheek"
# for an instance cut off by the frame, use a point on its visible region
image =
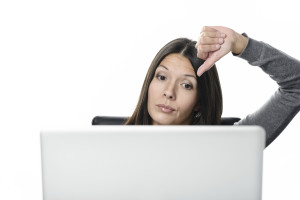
(188, 101)
(152, 91)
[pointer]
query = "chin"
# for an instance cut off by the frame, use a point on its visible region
(163, 120)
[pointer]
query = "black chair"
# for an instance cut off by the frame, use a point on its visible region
(113, 120)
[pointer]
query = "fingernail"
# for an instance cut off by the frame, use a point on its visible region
(223, 35)
(221, 40)
(218, 46)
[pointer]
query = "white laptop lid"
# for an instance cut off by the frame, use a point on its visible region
(153, 162)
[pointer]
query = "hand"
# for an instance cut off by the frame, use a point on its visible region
(215, 42)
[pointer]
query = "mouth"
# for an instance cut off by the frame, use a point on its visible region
(165, 108)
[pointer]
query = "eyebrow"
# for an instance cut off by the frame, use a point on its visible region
(188, 75)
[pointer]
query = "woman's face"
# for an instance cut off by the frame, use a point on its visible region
(172, 95)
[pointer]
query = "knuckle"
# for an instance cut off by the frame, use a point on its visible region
(200, 48)
(202, 40)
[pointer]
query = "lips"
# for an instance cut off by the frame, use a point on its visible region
(165, 108)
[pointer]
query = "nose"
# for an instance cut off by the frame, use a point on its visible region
(169, 92)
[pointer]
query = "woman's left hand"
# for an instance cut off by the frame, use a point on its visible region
(215, 42)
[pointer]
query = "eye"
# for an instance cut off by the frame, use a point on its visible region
(160, 77)
(187, 86)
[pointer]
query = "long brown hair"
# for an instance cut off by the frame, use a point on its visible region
(210, 93)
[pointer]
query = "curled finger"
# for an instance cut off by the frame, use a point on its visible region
(213, 34)
(208, 40)
(208, 48)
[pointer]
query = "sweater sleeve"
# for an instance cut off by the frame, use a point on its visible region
(284, 104)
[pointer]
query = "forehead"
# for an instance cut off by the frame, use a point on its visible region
(178, 63)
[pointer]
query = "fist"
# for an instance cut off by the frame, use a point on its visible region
(214, 43)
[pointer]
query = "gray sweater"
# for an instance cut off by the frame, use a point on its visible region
(280, 109)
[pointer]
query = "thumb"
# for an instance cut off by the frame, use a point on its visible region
(205, 66)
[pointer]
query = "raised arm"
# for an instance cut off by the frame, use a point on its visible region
(280, 109)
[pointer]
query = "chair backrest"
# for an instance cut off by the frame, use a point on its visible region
(114, 120)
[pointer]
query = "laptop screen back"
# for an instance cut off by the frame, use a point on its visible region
(153, 162)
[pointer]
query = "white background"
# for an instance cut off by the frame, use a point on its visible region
(63, 62)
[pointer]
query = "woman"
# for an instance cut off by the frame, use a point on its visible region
(173, 94)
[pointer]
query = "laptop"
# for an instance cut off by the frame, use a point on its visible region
(153, 162)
